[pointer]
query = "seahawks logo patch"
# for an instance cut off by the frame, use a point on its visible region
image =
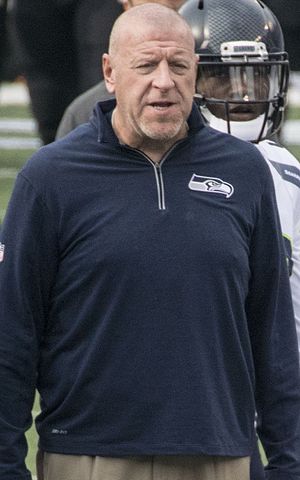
(210, 185)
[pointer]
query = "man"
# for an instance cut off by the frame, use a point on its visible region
(80, 110)
(149, 286)
(242, 88)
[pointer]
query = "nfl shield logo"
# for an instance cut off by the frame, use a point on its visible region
(1, 252)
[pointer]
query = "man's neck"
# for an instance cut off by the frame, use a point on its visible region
(154, 149)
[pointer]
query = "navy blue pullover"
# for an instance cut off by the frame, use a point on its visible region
(149, 304)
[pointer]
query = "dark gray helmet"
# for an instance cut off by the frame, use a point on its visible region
(243, 68)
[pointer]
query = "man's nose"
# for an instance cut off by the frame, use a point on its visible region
(163, 76)
(240, 88)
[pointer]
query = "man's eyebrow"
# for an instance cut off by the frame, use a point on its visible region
(147, 55)
(179, 56)
(173, 55)
(141, 57)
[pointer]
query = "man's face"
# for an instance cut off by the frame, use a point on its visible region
(232, 84)
(153, 77)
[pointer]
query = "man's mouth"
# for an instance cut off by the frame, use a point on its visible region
(243, 113)
(240, 109)
(161, 105)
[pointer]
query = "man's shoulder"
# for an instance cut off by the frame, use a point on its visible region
(237, 158)
(275, 152)
(232, 145)
(283, 166)
(56, 155)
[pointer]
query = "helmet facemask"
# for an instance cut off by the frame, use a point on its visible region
(243, 90)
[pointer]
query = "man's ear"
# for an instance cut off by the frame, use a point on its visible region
(108, 73)
(125, 5)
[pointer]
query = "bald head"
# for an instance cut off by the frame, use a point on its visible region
(159, 17)
(175, 4)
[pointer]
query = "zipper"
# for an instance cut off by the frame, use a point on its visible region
(158, 178)
(160, 185)
(158, 173)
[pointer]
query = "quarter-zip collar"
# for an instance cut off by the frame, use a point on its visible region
(102, 121)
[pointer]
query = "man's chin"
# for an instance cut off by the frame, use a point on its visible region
(162, 131)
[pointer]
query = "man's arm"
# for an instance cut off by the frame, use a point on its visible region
(27, 270)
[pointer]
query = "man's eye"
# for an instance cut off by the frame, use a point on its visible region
(145, 66)
(178, 67)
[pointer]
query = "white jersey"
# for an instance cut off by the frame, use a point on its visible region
(285, 170)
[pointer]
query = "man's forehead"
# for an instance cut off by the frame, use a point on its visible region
(149, 41)
(158, 48)
(140, 30)
(149, 24)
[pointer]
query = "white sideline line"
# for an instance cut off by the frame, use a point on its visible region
(18, 143)
(14, 93)
(8, 172)
(2, 213)
(24, 125)
(291, 132)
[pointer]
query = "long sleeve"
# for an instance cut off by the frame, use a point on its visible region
(26, 274)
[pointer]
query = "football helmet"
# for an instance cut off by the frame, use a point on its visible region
(243, 69)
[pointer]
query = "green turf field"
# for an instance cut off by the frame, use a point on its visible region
(11, 160)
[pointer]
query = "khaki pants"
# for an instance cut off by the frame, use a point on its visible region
(81, 467)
